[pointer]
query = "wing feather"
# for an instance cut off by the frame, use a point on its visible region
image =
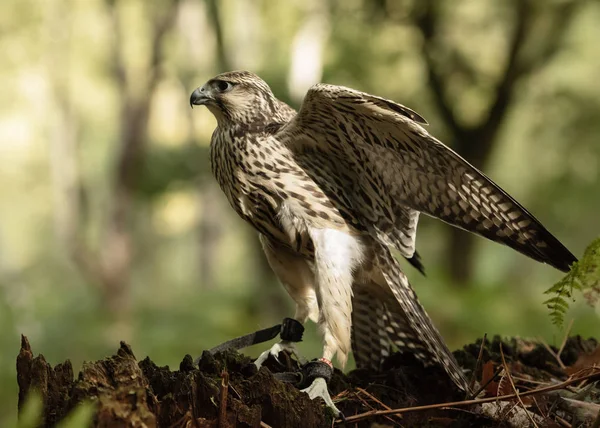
(397, 170)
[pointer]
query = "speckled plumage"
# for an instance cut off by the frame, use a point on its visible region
(332, 187)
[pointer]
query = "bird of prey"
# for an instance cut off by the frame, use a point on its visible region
(332, 188)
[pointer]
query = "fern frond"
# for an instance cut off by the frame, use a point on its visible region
(584, 276)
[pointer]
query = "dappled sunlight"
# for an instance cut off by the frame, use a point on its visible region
(176, 212)
(100, 151)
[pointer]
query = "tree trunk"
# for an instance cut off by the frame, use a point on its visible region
(461, 256)
(475, 142)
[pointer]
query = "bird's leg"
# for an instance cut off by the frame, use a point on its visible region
(280, 346)
(320, 373)
(297, 278)
(336, 256)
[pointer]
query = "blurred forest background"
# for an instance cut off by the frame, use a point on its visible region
(112, 227)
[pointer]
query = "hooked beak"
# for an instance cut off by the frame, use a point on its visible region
(199, 97)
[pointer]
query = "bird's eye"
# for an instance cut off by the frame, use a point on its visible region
(223, 86)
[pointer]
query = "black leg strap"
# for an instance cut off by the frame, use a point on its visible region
(317, 368)
(259, 336)
(291, 330)
(310, 371)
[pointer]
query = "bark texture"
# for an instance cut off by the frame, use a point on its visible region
(225, 391)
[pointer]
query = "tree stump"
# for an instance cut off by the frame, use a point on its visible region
(224, 391)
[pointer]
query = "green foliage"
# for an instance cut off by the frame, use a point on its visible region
(165, 166)
(81, 416)
(584, 276)
(31, 415)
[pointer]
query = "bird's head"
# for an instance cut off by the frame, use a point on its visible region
(236, 97)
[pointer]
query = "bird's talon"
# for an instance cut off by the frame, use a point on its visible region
(318, 388)
(276, 357)
(274, 351)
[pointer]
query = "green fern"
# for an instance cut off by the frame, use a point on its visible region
(584, 276)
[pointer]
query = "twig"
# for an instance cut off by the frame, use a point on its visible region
(222, 423)
(458, 409)
(264, 425)
(561, 385)
(362, 400)
(537, 406)
(562, 422)
(494, 376)
(584, 391)
(385, 406)
(477, 366)
(340, 395)
(535, 382)
(365, 403)
(501, 381)
(235, 391)
(514, 388)
(557, 355)
(564, 342)
(554, 354)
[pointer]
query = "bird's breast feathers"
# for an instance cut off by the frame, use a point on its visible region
(269, 188)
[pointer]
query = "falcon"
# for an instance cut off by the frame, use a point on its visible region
(332, 189)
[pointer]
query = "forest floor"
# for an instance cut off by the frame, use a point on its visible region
(556, 387)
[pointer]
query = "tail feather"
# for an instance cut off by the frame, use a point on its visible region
(370, 343)
(390, 314)
(415, 260)
(417, 321)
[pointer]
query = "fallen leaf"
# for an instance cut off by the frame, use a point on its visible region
(585, 361)
(487, 372)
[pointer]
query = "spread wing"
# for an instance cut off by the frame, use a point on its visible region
(398, 170)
